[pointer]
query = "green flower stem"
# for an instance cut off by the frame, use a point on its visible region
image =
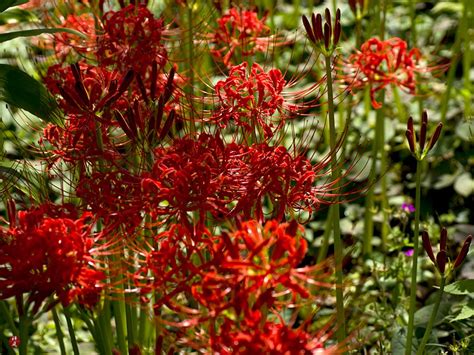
(323, 251)
(402, 115)
(454, 61)
(72, 334)
(383, 168)
(59, 332)
(118, 308)
(103, 325)
(335, 172)
(467, 59)
(414, 268)
(429, 327)
(25, 323)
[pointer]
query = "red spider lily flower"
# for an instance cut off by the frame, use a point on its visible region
(132, 39)
(272, 172)
(89, 90)
(251, 99)
(190, 175)
(381, 63)
(239, 33)
(65, 42)
(254, 267)
(173, 262)
(257, 336)
(239, 281)
(112, 196)
(44, 256)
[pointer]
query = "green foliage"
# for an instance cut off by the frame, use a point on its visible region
(21, 90)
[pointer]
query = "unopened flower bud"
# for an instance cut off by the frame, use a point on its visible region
(435, 136)
(443, 238)
(424, 124)
(308, 29)
(463, 252)
(327, 36)
(441, 261)
(427, 245)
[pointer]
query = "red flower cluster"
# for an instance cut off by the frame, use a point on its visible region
(45, 252)
(66, 42)
(132, 40)
(250, 99)
(207, 176)
(240, 33)
(236, 280)
(381, 63)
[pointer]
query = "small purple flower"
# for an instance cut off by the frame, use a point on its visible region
(408, 207)
(409, 252)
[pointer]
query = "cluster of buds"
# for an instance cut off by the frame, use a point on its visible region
(419, 151)
(440, 260)
(326, 37)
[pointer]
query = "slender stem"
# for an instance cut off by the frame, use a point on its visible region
(59, 332)
(431, 322)
(335, 172)
(383, 167)
(416, 237)
(323, 251)
(24, 334)
(72, 334)
(454, 61)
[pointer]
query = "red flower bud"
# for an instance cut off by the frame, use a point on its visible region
(327, 36)
(427, 245)
(443, 238)
(309, 30)
(424, 124)
(435, 136)
(463, 252)
(337, 32)
(441, 261)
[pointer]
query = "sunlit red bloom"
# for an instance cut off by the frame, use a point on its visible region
(66, 42)
(132, 39)
(250, 98)
(42, 255)
(190, 175)
(258, 336)
(382, 63)
(254, 267)
(239, 281)
(240, 33)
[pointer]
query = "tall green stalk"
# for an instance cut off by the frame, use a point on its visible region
(431, 322)
(59, 332)
(335, 175)
(414, 268)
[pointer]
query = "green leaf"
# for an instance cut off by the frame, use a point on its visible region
(463, 287)
(5, 4)
(28, 33)
(464, 184)
(467, 311)
(21, 90)
(17, 15)
(423, 315)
